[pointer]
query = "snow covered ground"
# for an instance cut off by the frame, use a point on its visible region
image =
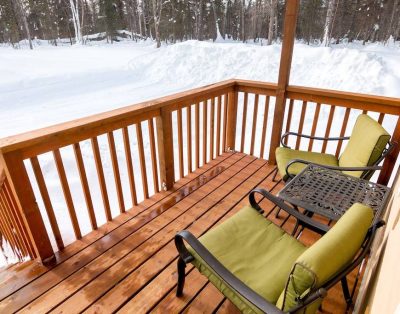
(55, 84)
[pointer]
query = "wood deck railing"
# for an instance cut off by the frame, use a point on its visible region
(151, 145)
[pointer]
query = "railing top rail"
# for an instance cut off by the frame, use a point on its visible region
(338, 97)
(35, 142)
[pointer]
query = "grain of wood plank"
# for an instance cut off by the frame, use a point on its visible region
(118, 242)
(153, 156)
(254, 125)
(47, 202)
(264, 128)
(244, 120)
(117, 176)
(342, 131)
(301, 123)
(214, 192)
(206, 301)
(314, 125)
(129, 165)
(227, 307)
(147, 297)
(85, 185)
(189, 138)
(328, 127)
(180, 144)
(142, 160)
(27, 275)
(100, 176)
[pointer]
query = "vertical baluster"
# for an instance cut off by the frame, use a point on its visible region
(328, 127)
(11, 198)
(142, 159)
(218, 139)
(14, 220)
(129, 165)
(244, 122)
(100, 175)
(342, 131)
(153, 155)
(264, 128)
(224, 122)
(47, 202)
(14, 241)
(205, 127)
(301, 123)
(289, 119)
(189, 137)
(67, 193)
(117, 177)
(314, 125)
(365, 111)
(85, 185)
(212, 128)
(254, 127)
(197, 126)
(180, 144)
(381, 117)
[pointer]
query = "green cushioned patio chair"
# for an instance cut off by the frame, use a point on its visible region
(262, 269)
(367, 146)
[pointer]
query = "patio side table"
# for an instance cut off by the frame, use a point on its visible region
(330, 193)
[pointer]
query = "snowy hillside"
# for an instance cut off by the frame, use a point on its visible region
(50, 85)
(56, 84)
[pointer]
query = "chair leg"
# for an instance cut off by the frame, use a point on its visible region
(181, 277)
(274, 177)
(346, 292)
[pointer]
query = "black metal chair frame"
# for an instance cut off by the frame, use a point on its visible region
(246, 292)
(367, 171)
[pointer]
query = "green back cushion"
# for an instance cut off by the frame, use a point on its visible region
(327, 256)
(367, 142)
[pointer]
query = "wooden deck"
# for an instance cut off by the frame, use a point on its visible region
(129, 264)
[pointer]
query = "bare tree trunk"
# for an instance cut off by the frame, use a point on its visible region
(272, 14)
(391, 29)
(22, 14)
(157, 9)
(328, 22)
(242, 21)
(76, 20)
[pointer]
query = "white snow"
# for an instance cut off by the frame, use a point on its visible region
(50, 85)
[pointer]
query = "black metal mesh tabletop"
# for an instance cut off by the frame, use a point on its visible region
(330, 193)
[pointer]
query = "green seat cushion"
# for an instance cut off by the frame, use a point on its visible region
(367, 142)
(326, 257)
(285, 155)
(255, 250)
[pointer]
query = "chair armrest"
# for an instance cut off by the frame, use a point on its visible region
(229, 278)
(342, 138)
(305, 162)
(306, 221)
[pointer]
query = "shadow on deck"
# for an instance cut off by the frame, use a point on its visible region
(129, 264)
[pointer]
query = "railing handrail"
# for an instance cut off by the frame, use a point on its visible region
(56, 136)
(353, 100)
(49, 138)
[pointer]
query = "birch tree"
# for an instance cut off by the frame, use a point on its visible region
(76, 21)
(328, 22)
(157, 10)
(22, 14)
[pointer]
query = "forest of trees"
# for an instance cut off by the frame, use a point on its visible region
(320, 21)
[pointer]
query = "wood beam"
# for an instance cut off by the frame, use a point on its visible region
(289, 33)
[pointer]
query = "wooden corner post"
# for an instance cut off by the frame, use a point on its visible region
(289, 34)
(390, 160)
(26, 202)
(231, 115)
(165, 149)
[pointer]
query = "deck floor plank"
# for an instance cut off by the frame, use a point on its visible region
(129, 265)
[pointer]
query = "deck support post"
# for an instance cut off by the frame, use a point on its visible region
(26, 202)
(289, 33)
(231, 120)
(165, 149)
(390, 160)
